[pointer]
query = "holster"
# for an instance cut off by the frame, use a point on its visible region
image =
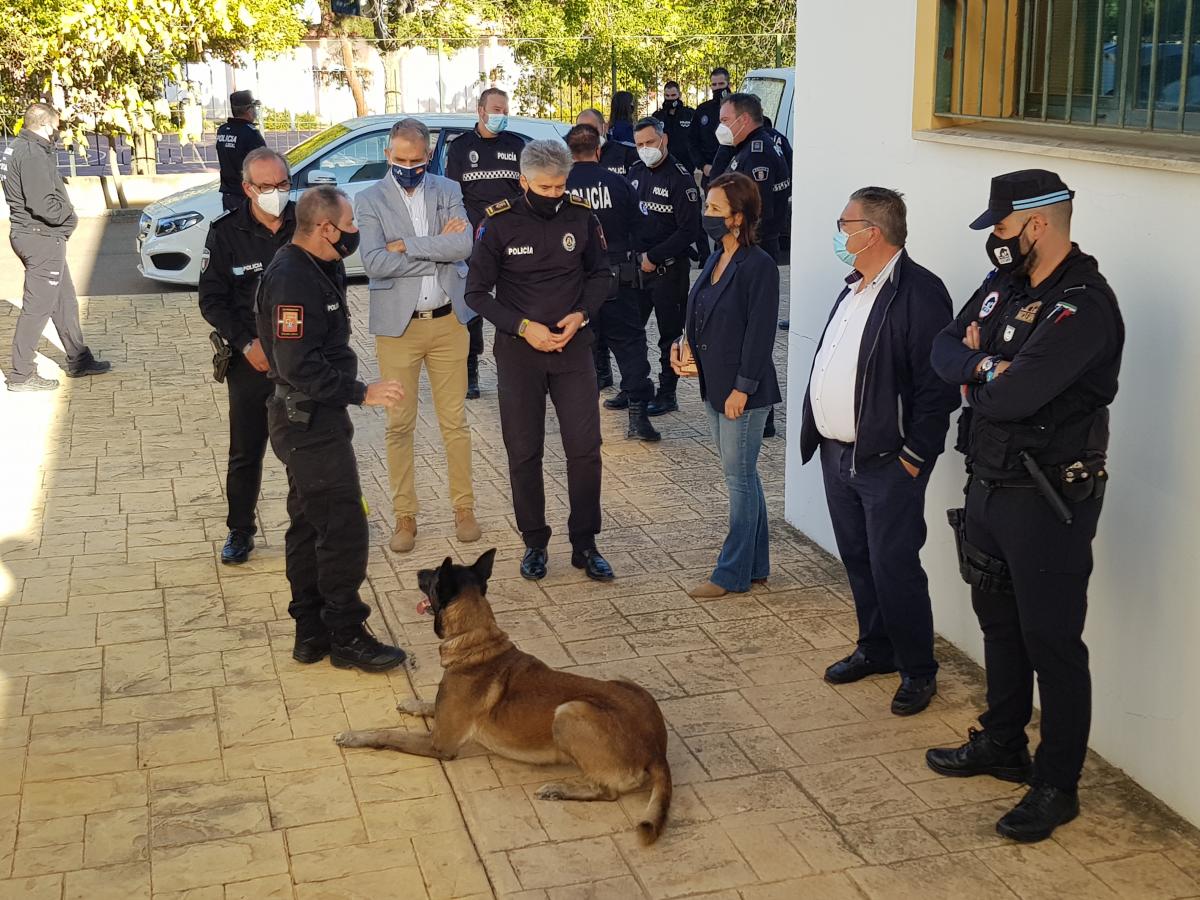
(222, 356)
(978, 569)
(298, 407)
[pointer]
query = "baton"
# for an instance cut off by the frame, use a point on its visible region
(1049, 494)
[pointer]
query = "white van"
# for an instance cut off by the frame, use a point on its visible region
(774, 87)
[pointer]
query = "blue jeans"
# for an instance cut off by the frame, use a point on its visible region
(745, 557)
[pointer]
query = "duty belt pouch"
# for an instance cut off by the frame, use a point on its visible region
(627, 274)
(298, 407)
(221, 357)
(1081, 480)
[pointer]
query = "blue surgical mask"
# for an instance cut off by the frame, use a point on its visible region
(839, 246)
(408, 178)
(497, 122)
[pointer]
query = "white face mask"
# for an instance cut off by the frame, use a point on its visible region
(650, 155)
(725, 135)
(272, 202)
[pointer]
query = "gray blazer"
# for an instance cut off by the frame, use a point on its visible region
(395, 278)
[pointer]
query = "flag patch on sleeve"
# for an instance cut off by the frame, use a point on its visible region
(289, 323)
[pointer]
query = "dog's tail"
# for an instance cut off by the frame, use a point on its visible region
(660, 801)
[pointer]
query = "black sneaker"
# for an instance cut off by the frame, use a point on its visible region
(1041, 810)
(86, 365)
(312, 643)
(237, 547)
(33, 383)
(980, 755)
(358, 648)
(620, 401)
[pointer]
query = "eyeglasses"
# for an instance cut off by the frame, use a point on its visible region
(281, 186)
(842, 223)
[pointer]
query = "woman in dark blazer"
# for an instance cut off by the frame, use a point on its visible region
(730, 331)
(622, 114)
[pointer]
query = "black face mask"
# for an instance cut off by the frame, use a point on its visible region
(1006, 253)
(719, 94)
(346, 243)
(715, 228)
(543, 206)
(673, 104)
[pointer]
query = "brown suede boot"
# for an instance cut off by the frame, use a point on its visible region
(465, 526)
(405, 537)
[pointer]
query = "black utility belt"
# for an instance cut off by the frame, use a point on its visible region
(443, 310)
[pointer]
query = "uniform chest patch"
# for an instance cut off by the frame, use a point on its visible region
(684, 123)
(733, 166)
(520, 251)
(634, 182)
(756, 146)
(660, 191)
(332, 307)
(473, 156)
(289, 323)
(704, 120)
(761, 173)
(507, 157)
(1009, 331)
(1029, 313)
(568, 242)
(989, 303)
(1063, 310)
(247, 269)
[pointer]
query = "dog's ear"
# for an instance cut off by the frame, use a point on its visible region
(445, 585)
(483, 567)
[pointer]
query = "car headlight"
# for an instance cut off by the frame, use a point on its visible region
(178, 223)
(144, 223)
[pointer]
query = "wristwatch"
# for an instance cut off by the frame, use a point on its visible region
(986, 367)
(583, 312)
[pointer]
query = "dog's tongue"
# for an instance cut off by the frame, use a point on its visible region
(423, 606)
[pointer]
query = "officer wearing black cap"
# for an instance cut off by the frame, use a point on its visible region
(235, 139)
(484, 162)
(615, 204)
(671, 201)
(1037, 350)
(545, 256)
(304, 326)
(239, 247)
(616, 156)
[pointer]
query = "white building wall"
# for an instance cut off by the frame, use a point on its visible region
(853, 128)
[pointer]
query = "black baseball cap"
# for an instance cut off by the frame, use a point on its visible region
(242, 99)
(1027, 189)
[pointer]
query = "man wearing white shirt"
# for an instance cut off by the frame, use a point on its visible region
(415, 240)
(878, 415)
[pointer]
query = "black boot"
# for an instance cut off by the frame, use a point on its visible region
(663, 402)
(86, 364)
(472, 377)
(358, 648)
(604, 375)
(312, 642)
(980, 755)
(620, 401)
(639, 425)
(1040, 811)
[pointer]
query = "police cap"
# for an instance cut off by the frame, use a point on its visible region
(1016, 191)
(242, 99)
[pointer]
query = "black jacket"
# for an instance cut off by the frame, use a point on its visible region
(901, 406)
(236, 253)
(37, 198)
(677, 123)
(618, 157)
(487, 169)
(671, 201)
(1064, 339)
(758, 156)
(235, 139)
(542, 269)
(733, 338)
(304, 326)
(615, 203)
(704, 132)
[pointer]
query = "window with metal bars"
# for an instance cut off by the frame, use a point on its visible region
(1132, 64)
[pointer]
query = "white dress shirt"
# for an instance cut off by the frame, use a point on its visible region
(432, 295)
(835, 372)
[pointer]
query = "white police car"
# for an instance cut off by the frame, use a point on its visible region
(171, 234)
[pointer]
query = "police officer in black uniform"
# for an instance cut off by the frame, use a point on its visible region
(671, 201)
(1038, 350)
(239, 247)
(756, 154)
(677, 119)
(304, 326)
(485, 164)
(616, 156)
(545, 256)
(235, 139)
(616, 205)
(704, 125)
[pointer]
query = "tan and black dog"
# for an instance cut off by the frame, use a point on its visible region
(515, 705)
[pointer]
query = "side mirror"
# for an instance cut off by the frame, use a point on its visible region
(317, 177)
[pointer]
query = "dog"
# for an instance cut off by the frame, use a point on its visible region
(516, 706)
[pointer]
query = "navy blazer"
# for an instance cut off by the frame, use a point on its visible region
(734, 347)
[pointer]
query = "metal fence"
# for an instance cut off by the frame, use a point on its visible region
(1129, 64)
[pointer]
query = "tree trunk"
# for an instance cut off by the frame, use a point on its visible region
(352, 76)
(115, 168)
(393, 81)
(145, 153)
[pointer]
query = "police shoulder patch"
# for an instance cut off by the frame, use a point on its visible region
(496, 208)
(693, 195)
(683, 169)
(761, 173)
(221, 216)
(578, 201)
(289, 323)
(204, 258)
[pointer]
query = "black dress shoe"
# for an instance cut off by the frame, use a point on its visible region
(312, 642)
(855, 667)
(533, 564)
(358, 648)
(86, 365)
(1041, 810)
(784, 324)
(594, 565)
(980, 755)
(620, 401)
(237, 547)
(913, 695)
(662, 404)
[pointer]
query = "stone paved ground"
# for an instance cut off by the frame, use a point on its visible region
(157, 740)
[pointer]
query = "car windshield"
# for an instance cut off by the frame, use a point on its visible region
(306, 149)
(769, 91)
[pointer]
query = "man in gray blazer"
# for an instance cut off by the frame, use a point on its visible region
(414, 244)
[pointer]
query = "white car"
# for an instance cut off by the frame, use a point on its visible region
(172, 232)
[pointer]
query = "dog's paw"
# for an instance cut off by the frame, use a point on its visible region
(552, 791)
(413, 707)
(346, 739)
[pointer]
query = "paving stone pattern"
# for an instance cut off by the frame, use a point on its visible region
(157, 740)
